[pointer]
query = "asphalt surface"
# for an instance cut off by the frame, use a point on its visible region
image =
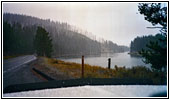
(19, 71)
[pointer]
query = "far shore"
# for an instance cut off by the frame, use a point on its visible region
(134, 54)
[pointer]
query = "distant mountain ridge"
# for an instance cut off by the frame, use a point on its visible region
(66, 39)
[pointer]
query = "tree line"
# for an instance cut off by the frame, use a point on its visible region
(65, 39)
(140, 43)
(17, 40)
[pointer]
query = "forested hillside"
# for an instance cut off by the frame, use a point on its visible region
(19, 33)
(140, 43)
(18, 40)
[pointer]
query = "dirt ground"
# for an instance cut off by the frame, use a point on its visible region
(50, 71)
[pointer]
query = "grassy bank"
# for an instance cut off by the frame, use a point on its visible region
(139, 72)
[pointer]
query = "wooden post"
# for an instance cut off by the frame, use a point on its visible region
(82, 71)
(109, 63)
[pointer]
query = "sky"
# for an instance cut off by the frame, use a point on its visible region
(117, 22)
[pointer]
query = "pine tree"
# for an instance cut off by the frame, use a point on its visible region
(157, 52)
(8, 38)
(43, 43)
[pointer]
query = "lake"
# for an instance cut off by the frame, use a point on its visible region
(119, 59)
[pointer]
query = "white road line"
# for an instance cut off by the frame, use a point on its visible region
(19, 65)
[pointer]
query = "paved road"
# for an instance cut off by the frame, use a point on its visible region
(18, 71)
(15, 63)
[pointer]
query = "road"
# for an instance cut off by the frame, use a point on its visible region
(18, 71)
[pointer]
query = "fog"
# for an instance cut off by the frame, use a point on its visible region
(118, 22)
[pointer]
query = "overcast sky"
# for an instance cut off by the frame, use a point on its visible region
(118, 22)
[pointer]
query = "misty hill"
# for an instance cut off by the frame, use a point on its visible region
(19, 32)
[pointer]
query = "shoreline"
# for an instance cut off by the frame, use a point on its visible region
(61, 70)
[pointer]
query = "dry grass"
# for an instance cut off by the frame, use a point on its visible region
(74, 70)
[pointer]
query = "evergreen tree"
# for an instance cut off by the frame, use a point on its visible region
(8, 38)
(17, 40)
(157, 52)
(43, 43)
(140, 43)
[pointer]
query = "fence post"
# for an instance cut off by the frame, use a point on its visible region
(82, 70)
(109, 63)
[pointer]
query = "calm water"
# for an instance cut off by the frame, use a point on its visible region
(119, 59)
